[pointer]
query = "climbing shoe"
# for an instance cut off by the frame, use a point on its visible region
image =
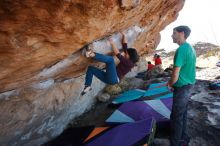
(86, 90)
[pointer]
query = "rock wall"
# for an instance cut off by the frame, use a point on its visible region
(41, 72)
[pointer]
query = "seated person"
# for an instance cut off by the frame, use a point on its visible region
(149, 66)
(158, 60)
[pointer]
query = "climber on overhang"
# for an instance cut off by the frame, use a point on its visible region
(113, 74)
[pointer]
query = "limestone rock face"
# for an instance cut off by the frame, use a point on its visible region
(37, 34)
(129, 4)
(40, 55)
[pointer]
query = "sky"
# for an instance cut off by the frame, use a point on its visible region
(202, 16)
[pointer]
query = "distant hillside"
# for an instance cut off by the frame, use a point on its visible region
(207, 55)
(206, 49)
(202, 48)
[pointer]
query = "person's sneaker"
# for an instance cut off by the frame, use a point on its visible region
(86, 90)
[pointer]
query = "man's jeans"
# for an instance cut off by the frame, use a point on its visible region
(109, 76)
(178, 116)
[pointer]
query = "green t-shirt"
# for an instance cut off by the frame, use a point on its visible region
(185, 58)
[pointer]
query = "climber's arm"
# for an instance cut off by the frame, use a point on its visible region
(114, 48)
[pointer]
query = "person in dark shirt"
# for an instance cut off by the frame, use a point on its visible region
(113, 73)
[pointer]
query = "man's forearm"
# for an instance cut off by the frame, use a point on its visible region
(174, 77)
(114, 48)
(124, 39)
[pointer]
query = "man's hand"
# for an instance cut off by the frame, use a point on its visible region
(174, 77)
(170, 86)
